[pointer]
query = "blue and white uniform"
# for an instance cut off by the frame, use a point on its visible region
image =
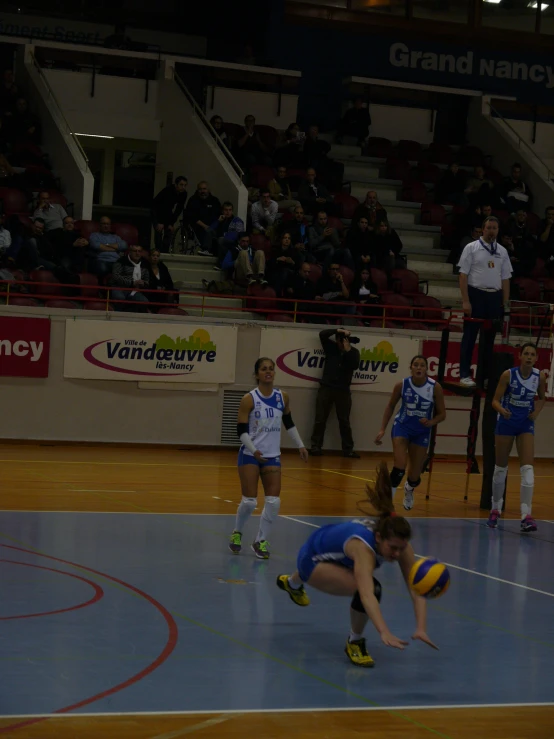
(519, 399)
(264, 428)
(417, 402)
(327, 545)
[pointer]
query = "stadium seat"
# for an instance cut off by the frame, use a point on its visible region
(439, 153)
(471, 156)
(46, 283)
(548, 290)
(432, 215)
(347, 275)
(23, 301)
(171, 311)
(398, 169)
(283, 317)
(527, 289)
(378, 147)
(407, 149)
(429, 172)
(380, 279)
(334, 222)
(348, 204)
(13, 201)
(427, 301)
(390, 300)
(414, 192)
(86, 228)
(97, 305)
(66, 304)
(315, 272)
(379, 323)
(261, 175)
(260, 241)
(261, 298)
(91, 283)
(268, 135)
(405, 281)
(539, 270)
(127, 232)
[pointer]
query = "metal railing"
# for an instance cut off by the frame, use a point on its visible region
(54, 104)
(521, 143)
(211, 130)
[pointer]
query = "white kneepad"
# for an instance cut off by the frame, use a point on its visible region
(527, 475)
(500, 474)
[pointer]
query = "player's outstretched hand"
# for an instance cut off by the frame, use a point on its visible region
(422, 636)
(390, 640)
(303, 454)
(379, 437)
(258, 456)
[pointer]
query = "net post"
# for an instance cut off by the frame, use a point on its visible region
(445, 336)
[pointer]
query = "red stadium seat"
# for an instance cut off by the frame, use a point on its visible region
(398, 169)
(380, 279)
(390, 300)
(127, 232)
(170, 311)
(539, 270)
(428, 172)
(283, 317)
(91, 282)
(439, 153)
(261, 175)
(268, 135)
(376, 323)
(378, 147)
(527, 289)
(97, 305)
(259, 241)
(13, 201)
(347, 275)
(407, 149)
(67, 304)
(415, 192)
(348, 204)
(427, 301)
(47, 284)
(432, 215)
(315, 272)
(548, 290)
(334, 222)
(405, 281)
(86, 228)
(26, 302)
(268, 298)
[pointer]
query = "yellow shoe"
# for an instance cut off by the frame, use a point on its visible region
(298, 595)
(357, 653)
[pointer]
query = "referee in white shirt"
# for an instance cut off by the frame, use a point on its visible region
(485, 272)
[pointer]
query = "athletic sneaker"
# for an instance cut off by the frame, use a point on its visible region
(528, 524)
(408, 501)
(357, 653)
(261, 549)
(467, 382)
(297, 595)
(492, 523)
(235, 542)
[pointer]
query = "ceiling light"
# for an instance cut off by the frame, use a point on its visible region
(544, 6)
(493, 2)
(95, 135)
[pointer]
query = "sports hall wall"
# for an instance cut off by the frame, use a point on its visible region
(55, 408)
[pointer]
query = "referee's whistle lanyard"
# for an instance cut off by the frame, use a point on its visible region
(491, 248)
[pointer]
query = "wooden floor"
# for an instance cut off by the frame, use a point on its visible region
(151, 480)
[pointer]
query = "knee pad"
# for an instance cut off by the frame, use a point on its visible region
(527, 475)
(413, 484)
(500, 473)
(396, 476)
(249, 503)
(356, 603)
(271, 507)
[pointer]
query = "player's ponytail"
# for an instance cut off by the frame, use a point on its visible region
(380, 497)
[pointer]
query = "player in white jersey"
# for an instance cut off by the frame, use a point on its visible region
(514, 400)
(259, 429)
(422, 407)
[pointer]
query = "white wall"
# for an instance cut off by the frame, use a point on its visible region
(395, 122)
(495, 139)
(233, 105)
(186, 147)
(67, 160)
(118, 107)
(544, 138)
(62, 409)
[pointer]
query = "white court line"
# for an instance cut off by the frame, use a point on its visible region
(455, 567)
(177, 513)
(101, 491)
(325, 709)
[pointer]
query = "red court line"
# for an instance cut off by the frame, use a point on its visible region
(172, 638)
(98, 592)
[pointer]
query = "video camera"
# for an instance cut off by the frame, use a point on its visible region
(352, 339)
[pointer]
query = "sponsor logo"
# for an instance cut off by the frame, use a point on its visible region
(165, 356)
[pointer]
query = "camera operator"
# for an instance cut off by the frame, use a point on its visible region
(341, 359)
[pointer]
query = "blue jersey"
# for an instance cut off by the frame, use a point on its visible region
(417, 402)
(327, 543)
(519, 397)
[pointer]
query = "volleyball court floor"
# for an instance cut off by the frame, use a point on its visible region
(129, 611)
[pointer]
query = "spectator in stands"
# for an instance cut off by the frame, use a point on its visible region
(485, 272)
(284, 262)
(364, 291)
(291, 154)
(371, 209)
(316, 153)
(323, 239)
(521, 245)
(250, 148)
(515, 193)
(8, 177)
(167, 206)
(478, 188)
(358, 242)
(451, 186)
(24, 125)
(160, 279)
(264, 214)
(217, 124)
(385, 248)
(248, 265)
(225, 231)
(202, 210)
(73, 246)
(314, 195)
(456, 252)
(5, 235)
(279, 189)
(52, 214)
(331, 288)
(299, 287)
(131, 271)
(355, 122)
(34, 250)
(546, 239)
(8, 92)
(105, 248)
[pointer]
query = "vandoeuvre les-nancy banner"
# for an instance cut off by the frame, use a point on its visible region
(300, 359)
(156, 352)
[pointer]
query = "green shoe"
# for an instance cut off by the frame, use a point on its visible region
(261, 549)
(297, 595)
(235, 542)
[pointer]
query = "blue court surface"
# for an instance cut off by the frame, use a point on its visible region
(104, 612)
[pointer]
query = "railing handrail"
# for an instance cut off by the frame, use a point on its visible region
(213, 133)
(521, 140)
(59, 110)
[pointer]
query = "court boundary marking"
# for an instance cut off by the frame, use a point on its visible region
(449, 564)
(230, 711)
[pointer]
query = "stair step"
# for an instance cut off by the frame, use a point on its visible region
(210, 301)
(386, 193)
(344, 151)
(359, 171)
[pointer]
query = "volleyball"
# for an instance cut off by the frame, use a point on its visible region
(429, 578)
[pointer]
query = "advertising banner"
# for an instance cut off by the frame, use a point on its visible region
(24, 347)
(300, 359)
(155, 352)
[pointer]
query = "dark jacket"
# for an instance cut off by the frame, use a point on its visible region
(373, 215)
(122, 273)
(339, 366)
(162, 282)
(308, 193)
(168, 205)
(206, 210)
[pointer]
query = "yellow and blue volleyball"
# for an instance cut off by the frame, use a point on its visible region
(429, 578)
